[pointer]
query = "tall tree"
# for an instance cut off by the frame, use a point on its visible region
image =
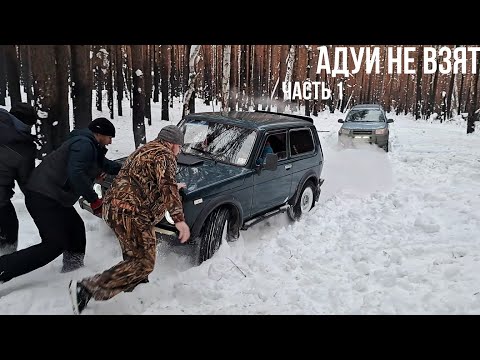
(207, 77)
(242, 83)
(119, 65)
(81, 86)
(233, 81)
(308, 80)
(62, 117)
(460, 93)
(450, 95)
(418, 101)
(226, 76)
(156, 74)
(173, 73)
(45, 93)
(433, 88)
(138, 90)
(194, 51)
(164, 60)
(110, 58)
(473, 109)
(147, 74)
(98, 66)
(26, 71)
(13, 74)
(257, 58)
(281, 77)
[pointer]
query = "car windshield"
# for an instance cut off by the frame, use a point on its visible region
(365, 115)
(220, 142)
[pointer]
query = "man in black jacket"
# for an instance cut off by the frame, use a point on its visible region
(17, 160)
(54, 187)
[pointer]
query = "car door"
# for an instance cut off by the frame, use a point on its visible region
(272, 188)
(302, 150)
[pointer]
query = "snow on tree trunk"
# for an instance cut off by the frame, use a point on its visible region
(194, 51)
(290, 63)
(138, 96)
(227, 49)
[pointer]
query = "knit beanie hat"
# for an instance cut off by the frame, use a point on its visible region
(102, 126)
(171, 134)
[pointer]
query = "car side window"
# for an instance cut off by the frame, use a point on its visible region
(276, 143)
(301, 142)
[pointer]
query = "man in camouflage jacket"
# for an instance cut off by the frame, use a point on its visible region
(137, 200)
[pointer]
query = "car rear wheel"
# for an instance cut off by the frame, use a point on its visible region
(305, 202)
(213, 234)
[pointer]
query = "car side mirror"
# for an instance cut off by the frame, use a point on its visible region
(341, 121)
(389, 120)
(271, 162)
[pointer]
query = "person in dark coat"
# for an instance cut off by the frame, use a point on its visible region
(17, 160)
(52, 191)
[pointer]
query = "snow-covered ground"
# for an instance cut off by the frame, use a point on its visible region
(393, 233)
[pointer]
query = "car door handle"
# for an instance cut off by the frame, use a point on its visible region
(288, 166)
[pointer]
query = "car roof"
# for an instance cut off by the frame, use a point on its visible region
(367, 106)
(254, 119)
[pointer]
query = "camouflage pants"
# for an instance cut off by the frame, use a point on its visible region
(138, 242)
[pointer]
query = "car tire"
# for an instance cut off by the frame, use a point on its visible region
(305, 202)
(212, 234)
(386, 147)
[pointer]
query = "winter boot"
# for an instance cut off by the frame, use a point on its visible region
(72, 261)
(79, 295)
(144, 281)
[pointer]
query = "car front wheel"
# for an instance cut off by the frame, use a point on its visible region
(213, 234)
(304, 204)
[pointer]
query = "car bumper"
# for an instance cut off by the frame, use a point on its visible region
(349, 140)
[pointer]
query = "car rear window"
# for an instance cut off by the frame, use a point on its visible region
(301, 142)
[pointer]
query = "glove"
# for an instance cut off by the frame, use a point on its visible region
(97, 207)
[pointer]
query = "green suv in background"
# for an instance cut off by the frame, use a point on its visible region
(365, 123)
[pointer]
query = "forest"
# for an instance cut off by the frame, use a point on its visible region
(232, 77)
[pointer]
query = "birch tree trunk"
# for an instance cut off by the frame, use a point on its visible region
(194, 51)
(290, 64)
(226, 77)
(281, 77)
